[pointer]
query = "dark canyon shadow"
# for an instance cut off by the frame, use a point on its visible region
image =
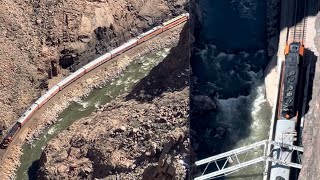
(209, 82)
(309, 68)
(171, 74)
(104, 39)
(32, 171)
(222, 79)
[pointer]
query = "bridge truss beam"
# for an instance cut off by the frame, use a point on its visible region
(234, 160)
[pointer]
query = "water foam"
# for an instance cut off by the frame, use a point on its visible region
(52, 130)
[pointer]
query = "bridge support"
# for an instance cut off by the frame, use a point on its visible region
(234, 160)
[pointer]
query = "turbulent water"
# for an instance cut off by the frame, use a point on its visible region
(257, 123)
(227, 65)
(124, 83)
(233, 24)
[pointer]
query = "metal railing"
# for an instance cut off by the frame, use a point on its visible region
(234, 160)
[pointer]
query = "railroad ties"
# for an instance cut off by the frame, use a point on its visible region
(298, 32)
(275, 152)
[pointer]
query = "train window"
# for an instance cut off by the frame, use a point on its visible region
(294, 48)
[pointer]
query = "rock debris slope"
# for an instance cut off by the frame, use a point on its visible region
(130, 139)
(33, 33)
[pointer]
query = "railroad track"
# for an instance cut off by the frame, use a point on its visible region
(297, 33)
(8, 155)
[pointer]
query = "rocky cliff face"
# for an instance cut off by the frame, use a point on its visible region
(89, 28)
(34, 33)
(133, 138)
(171, 74)
(311, 136)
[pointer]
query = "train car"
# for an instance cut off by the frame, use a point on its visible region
(52, 91)
(149, 34)
(65, 82)
(27, 115)
(290, 93)
(175, 21)
(97, 62)
(285, 130)
(72, 77)
(41, 101)
(48, 95)
(131, 43)
(8, 138)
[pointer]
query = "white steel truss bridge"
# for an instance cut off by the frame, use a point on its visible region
(237, 159)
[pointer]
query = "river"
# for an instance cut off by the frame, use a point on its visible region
(76, 110)
(227, 65)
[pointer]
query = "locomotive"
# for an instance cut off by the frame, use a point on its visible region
(8, 138)
(285, 130)
(291, 72)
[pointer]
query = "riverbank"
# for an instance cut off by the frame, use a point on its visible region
(140, 135)
(123, 140)
(69, 34)
(80, 88)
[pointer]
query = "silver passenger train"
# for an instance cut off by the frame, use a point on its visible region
(85, 69)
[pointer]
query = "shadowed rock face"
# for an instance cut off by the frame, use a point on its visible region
(96, 27)
(130, 138)
(33, 33)
(170, 75)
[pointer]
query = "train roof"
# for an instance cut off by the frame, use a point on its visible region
(285, 130)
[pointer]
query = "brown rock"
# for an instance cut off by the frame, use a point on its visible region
(124, 153)
(62, 169)
(204, 103)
